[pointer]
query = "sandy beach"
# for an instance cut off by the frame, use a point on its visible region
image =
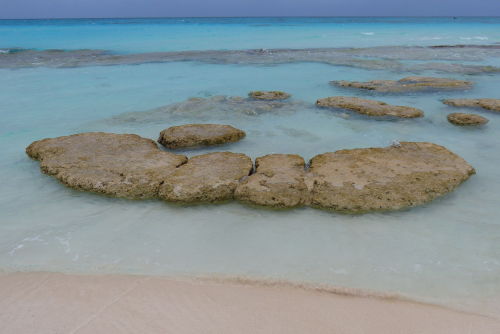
(61, 303)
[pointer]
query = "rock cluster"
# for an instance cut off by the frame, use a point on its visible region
(408, 84)
(119, 165)
(193, 135)
(355, 181)
(466, 119)
(268, 95)
(369, 107)
(488, 104)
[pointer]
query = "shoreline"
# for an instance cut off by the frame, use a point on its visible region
(43, 302)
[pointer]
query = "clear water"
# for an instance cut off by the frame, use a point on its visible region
(446, 252)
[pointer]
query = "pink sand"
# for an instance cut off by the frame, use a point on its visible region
(57, 303)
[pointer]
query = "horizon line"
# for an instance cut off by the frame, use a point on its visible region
(242, 17)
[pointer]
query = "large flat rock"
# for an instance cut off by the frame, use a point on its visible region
(369, 107)
(279, 181)
(120, 165)
(390, 178)
(195, 135)
(208, 177)
(488, 104)
(408, 84)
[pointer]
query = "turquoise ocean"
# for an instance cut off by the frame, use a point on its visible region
(446, 252)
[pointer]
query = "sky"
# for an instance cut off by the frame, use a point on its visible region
(10, 9)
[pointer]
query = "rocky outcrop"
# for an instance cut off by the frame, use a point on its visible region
(466, 119)
(279, 181)
(488, 104)
(206, 178)
(369, 107)
(268, 95)
(391, 178)
(408, 84)
(194, 135)
(119, 165)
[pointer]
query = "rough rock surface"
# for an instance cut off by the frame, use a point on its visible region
(279, 181)
(208, 177)
(268, 95)
(488, 104)
(369, 107)
(408, 84)
(193, 135)
(391, 178)
(120, 165)
(466, 119)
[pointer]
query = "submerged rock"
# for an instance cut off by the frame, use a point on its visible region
(466, 119)
(193, 135)
(120, 165)
(408, 84)
(209, 177)
(488, 104)
(369, 107)
(279, 181)
(269, 95)
(391, 178)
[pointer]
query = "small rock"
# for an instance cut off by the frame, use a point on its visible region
(269, 95)
(205, 178)
(488, 104)
(466, 119)
(369, 107)
(390, 178)
(119, 165)
(193, 135)
(278, 182)
(408, 84)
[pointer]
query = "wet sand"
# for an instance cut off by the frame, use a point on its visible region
(59, 303)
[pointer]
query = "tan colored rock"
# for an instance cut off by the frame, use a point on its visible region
(466, 119)
(209, 177)
(278, 182)
(268, 95)
(408, 84)
(488, 104)
(369, 107)
(120, 165)
(391, 178)
(194, 135)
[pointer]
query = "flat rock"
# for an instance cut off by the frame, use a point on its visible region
(390, 178)
(205, 178)
(193, 135)
(279, 181)
(369, 107)
(269, 95)
(120, 165)
(488, 104)
(466, 119)
(408, 84)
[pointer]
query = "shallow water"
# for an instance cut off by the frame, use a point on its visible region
(446, 252)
